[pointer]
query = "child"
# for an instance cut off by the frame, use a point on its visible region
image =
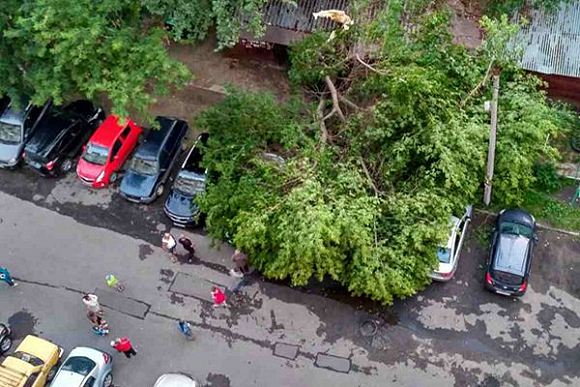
(219, 298)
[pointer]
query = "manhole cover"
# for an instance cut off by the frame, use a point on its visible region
(368, 328)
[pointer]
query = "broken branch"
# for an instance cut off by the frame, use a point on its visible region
(368, 66)
(366, 171)
(481, 83)
(335, 106)
(320, 114)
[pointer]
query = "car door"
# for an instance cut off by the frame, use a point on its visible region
(128, 138)
(116, 160)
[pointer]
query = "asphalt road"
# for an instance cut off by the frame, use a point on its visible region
(61, 239)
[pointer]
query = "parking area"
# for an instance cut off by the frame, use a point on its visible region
(455, 333)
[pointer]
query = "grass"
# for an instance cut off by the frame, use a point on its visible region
(551, 211)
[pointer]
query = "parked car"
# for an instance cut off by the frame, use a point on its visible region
(107, 150)
(448, 254)
(175, 380)
(190, 181)
(59, 138)
(33, 364)
(151, 165)
(5, 339)
(510, 257)
(85, 367)
(16, 127)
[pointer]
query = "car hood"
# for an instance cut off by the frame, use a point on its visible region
(10, 151)
(89, 170)
(137, 185)
(180, 205)
(67, 379)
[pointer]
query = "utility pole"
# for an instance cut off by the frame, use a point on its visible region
(492, 139)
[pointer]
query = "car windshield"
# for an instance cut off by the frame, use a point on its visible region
(10, 133)
(143, 166)
(511, 254)
(79, 365)
(189, 185)
(95, 154)
(28, 358)
(444, 254)
(511, 228)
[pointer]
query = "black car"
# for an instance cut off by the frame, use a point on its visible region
(510, 258)
(17, 125)
(59, 137)
(190, 181)
(5, 339)
(151, 164)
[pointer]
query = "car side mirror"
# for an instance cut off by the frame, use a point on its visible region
(84, 148)
(536, 239)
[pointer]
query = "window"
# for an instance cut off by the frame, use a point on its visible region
(90, 382)
(95, 154)
(163, 158)
(116, 148)
(79, 365)
(126, 132)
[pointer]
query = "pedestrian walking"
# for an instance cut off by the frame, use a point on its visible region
(168, 243)
(241, 261)
(189, 246)
(91, 301)
(123, 344)
(5, 276)
(100, 326)
(219, 298)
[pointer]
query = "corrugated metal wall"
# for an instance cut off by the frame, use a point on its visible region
(299, 18)
(552, 41)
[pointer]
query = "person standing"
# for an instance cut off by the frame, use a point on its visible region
(5, 276)
(218, 297)
(91, 301)
(241, 261)
(189, 246)
(123, 344)
(168, 243)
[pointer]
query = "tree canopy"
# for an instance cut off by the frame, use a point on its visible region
(58, 48)
(393, 146)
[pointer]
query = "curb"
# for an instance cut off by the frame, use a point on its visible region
(540, 225)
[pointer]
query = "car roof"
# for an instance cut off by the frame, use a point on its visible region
(156, 137)
(13, 116)
(175, 380)
(48, 133)
(109, 130)
(511, 254)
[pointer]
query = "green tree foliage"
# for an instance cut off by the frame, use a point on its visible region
(57, 48)
(193, 19)
(369, 206)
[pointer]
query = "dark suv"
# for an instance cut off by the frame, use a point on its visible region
(17, 125)
(190, 182)
(59, 138)
(510, 258)
(150, 166)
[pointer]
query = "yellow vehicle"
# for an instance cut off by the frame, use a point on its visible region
(33, 364)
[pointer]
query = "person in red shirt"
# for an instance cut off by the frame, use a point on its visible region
(123, 344)
(219, 298)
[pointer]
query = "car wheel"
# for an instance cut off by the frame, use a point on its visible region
(5, 344)
(113, 177)
(159, 190)
(66, 165)
(108, 381)
(52, 373)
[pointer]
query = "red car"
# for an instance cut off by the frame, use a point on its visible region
(109, 147)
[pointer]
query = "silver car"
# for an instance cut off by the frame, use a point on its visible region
(85, 367)
(448, 255)
(175, 380)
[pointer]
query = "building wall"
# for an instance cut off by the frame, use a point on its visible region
(564, 88)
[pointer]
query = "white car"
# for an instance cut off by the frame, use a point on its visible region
(85, 367)
(175, 380)
(448, 255)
